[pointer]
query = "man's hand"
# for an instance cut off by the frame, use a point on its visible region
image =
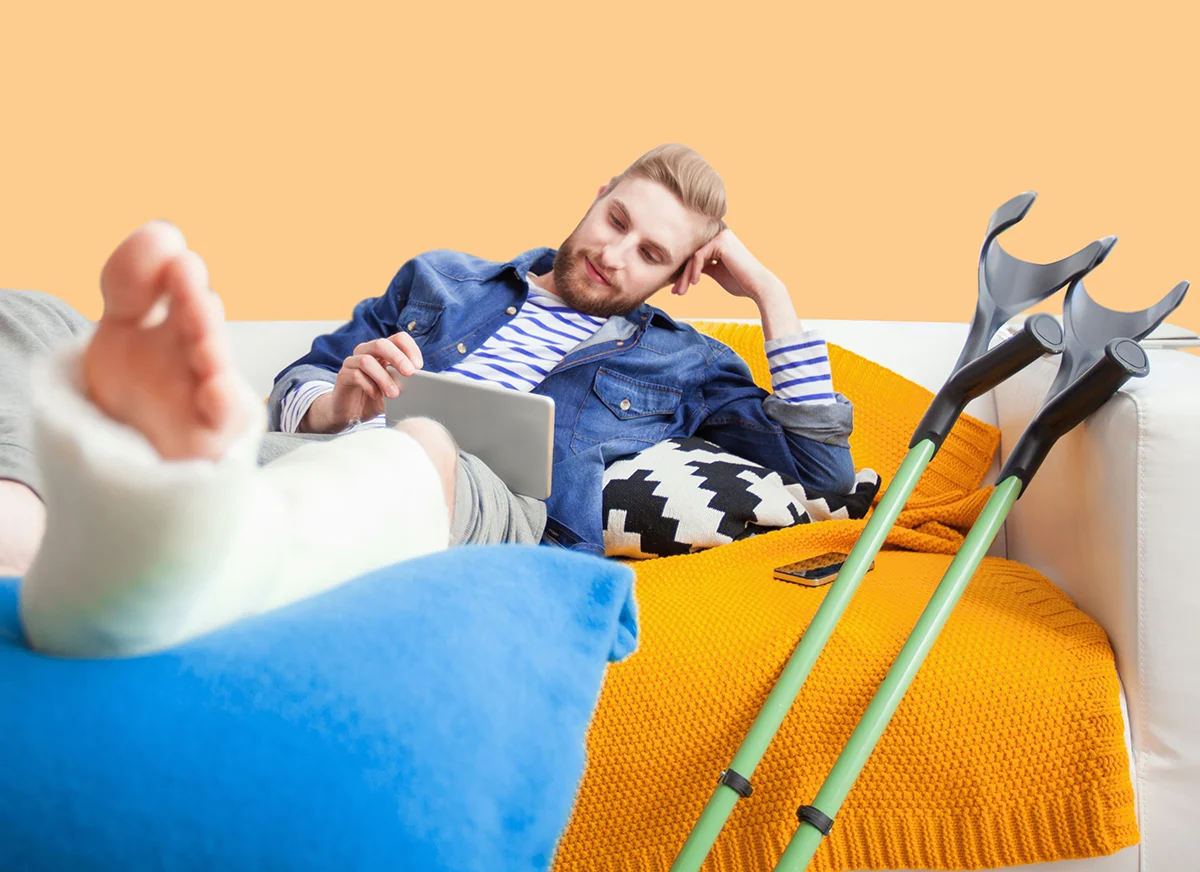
(731, 265)
(739, 272)
(363, 384)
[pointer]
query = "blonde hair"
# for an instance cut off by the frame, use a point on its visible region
(689, 177)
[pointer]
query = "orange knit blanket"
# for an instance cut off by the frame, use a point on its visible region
(1008, 748)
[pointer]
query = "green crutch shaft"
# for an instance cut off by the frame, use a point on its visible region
(807, 838)
(779, 702)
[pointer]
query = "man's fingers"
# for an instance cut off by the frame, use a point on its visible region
(386, 353)
(712, 250)
(363, 382)
(351, 377)
(410, 348)
(373, 369)
(382, 377)
(387, 350)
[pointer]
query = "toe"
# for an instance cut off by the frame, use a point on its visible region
(184, 279)
(207, 356)
(130, 277)
(214, 401)
(195, 315)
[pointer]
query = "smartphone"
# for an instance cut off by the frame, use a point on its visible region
(815, 571)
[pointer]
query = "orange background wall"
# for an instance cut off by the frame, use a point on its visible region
(308, 150)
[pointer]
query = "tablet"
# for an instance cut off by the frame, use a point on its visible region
(511, 431)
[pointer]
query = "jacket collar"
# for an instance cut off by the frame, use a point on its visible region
(537, 261)
(646, 313)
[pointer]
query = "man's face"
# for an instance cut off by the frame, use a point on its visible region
(635, 236)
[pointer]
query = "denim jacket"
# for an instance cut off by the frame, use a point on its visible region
(642, 378)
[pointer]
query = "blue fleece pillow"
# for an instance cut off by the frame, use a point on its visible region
(431, 715)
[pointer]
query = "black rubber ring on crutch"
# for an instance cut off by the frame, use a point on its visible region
(810, 814)
(740, 784)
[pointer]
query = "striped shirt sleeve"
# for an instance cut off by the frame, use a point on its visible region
(799, 367)
(296, 402)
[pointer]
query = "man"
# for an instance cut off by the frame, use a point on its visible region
(158, 525)
(574, 324)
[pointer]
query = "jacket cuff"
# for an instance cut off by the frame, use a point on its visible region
(827, 423)
(293, 378)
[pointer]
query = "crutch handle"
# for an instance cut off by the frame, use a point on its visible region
(1041, 335)
(1123, 359)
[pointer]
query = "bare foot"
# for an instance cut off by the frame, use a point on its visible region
(158, 360)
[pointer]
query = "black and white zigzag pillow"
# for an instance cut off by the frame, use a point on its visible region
(687, 494)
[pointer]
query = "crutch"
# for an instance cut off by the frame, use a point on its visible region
(1101, 354)
(1007, 286)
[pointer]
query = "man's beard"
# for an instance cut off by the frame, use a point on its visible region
(575, 288)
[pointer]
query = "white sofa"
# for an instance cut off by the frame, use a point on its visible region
(1108, 519)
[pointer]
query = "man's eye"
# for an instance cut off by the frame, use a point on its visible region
(645, 251)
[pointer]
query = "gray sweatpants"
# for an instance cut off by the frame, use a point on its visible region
(485, 511)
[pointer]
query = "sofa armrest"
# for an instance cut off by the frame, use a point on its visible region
(1110, 519)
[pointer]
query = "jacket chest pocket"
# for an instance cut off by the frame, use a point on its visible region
(620, 407)
(418, 319)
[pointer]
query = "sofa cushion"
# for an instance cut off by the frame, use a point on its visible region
(428, 715)
(687, 494)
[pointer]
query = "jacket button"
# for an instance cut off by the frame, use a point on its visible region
(462, 349)
(412, 325)
(624, 405)
(511, 310)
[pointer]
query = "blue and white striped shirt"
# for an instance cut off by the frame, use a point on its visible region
(799, 366)
(522, 352)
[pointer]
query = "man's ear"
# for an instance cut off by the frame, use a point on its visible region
(607, 186)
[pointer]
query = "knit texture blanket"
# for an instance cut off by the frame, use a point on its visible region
(1007, 749)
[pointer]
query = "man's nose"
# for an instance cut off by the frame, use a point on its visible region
(611, 255)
